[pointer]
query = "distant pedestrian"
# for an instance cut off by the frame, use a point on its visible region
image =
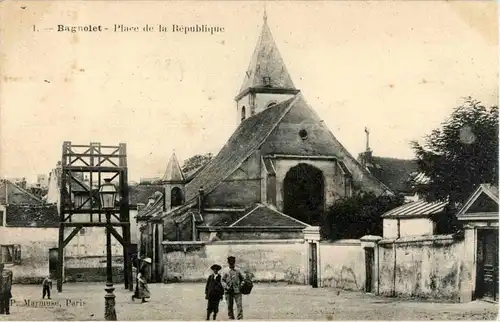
(142, 285)
(5, 290)
(46, 287)
(231, 281)
(214, 291)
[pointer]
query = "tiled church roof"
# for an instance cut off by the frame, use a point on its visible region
(245, 140)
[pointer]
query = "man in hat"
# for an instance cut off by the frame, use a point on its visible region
(214, 291)
(231, 281)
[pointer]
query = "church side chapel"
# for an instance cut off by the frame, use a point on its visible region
(275, 176)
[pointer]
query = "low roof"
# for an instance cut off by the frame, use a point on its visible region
(488, 207)
(266, 216)
(416, 209)
(11, 193)
(141, 193)
(394, 173)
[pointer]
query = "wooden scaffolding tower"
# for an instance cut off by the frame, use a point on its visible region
(94, 162)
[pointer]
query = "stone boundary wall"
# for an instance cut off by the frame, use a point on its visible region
(424, 266)
(265, 261)
(342, 264)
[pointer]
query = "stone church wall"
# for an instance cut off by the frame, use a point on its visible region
(234, 193)
(241, 188)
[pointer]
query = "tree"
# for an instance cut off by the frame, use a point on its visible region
(196, 161)
(460, 155)
(357, 216)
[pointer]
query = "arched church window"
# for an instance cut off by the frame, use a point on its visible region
(176, 197)
(243, 113)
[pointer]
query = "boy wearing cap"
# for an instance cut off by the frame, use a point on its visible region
(231, 281)
(214, 291)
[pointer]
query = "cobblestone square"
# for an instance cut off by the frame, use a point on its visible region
(186, 301)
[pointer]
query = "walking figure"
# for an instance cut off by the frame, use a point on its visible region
(214, 291)
(231, 281)
(46, 287)
(5, 290)
(142, 285)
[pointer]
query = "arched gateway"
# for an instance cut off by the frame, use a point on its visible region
(304, 193)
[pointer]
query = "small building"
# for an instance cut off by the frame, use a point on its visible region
(24, 214)
(415, 218)
(480, 218)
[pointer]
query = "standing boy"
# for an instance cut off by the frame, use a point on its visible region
(46, 287)
(214, 291)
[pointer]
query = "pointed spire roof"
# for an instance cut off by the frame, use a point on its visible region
(266, 62)
(173, 171)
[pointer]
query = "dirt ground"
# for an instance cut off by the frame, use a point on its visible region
(267, 302)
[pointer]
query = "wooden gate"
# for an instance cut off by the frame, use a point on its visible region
(313, 265)
(487, 264)
(369, 263)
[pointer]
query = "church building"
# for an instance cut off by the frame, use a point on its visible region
(277, 174)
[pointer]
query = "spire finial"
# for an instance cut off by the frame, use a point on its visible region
(265, 13)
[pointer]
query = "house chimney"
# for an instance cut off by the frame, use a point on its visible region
(201, 200)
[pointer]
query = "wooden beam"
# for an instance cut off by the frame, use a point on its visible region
(116, 235)
(70, 236)
(82, 155)
(94, 224)
(93, 169)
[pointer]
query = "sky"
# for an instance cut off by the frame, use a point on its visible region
(396, 67)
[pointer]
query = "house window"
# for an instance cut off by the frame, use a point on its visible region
(267, 81)
(243, 113)
(82, 231)
(10, 254)
(1, 219)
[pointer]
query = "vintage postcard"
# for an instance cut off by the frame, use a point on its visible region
(257, 160)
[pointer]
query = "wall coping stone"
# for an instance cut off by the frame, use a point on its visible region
(188, 242)
(262, 241)
(342, 242)
(441, 239)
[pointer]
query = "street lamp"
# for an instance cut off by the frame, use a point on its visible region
(107, 196)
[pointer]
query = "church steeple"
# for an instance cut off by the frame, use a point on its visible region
(266, 74)
(174, 183)
(173, 173)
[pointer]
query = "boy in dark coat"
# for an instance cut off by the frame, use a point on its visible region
(46, 287)
(214, 291)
